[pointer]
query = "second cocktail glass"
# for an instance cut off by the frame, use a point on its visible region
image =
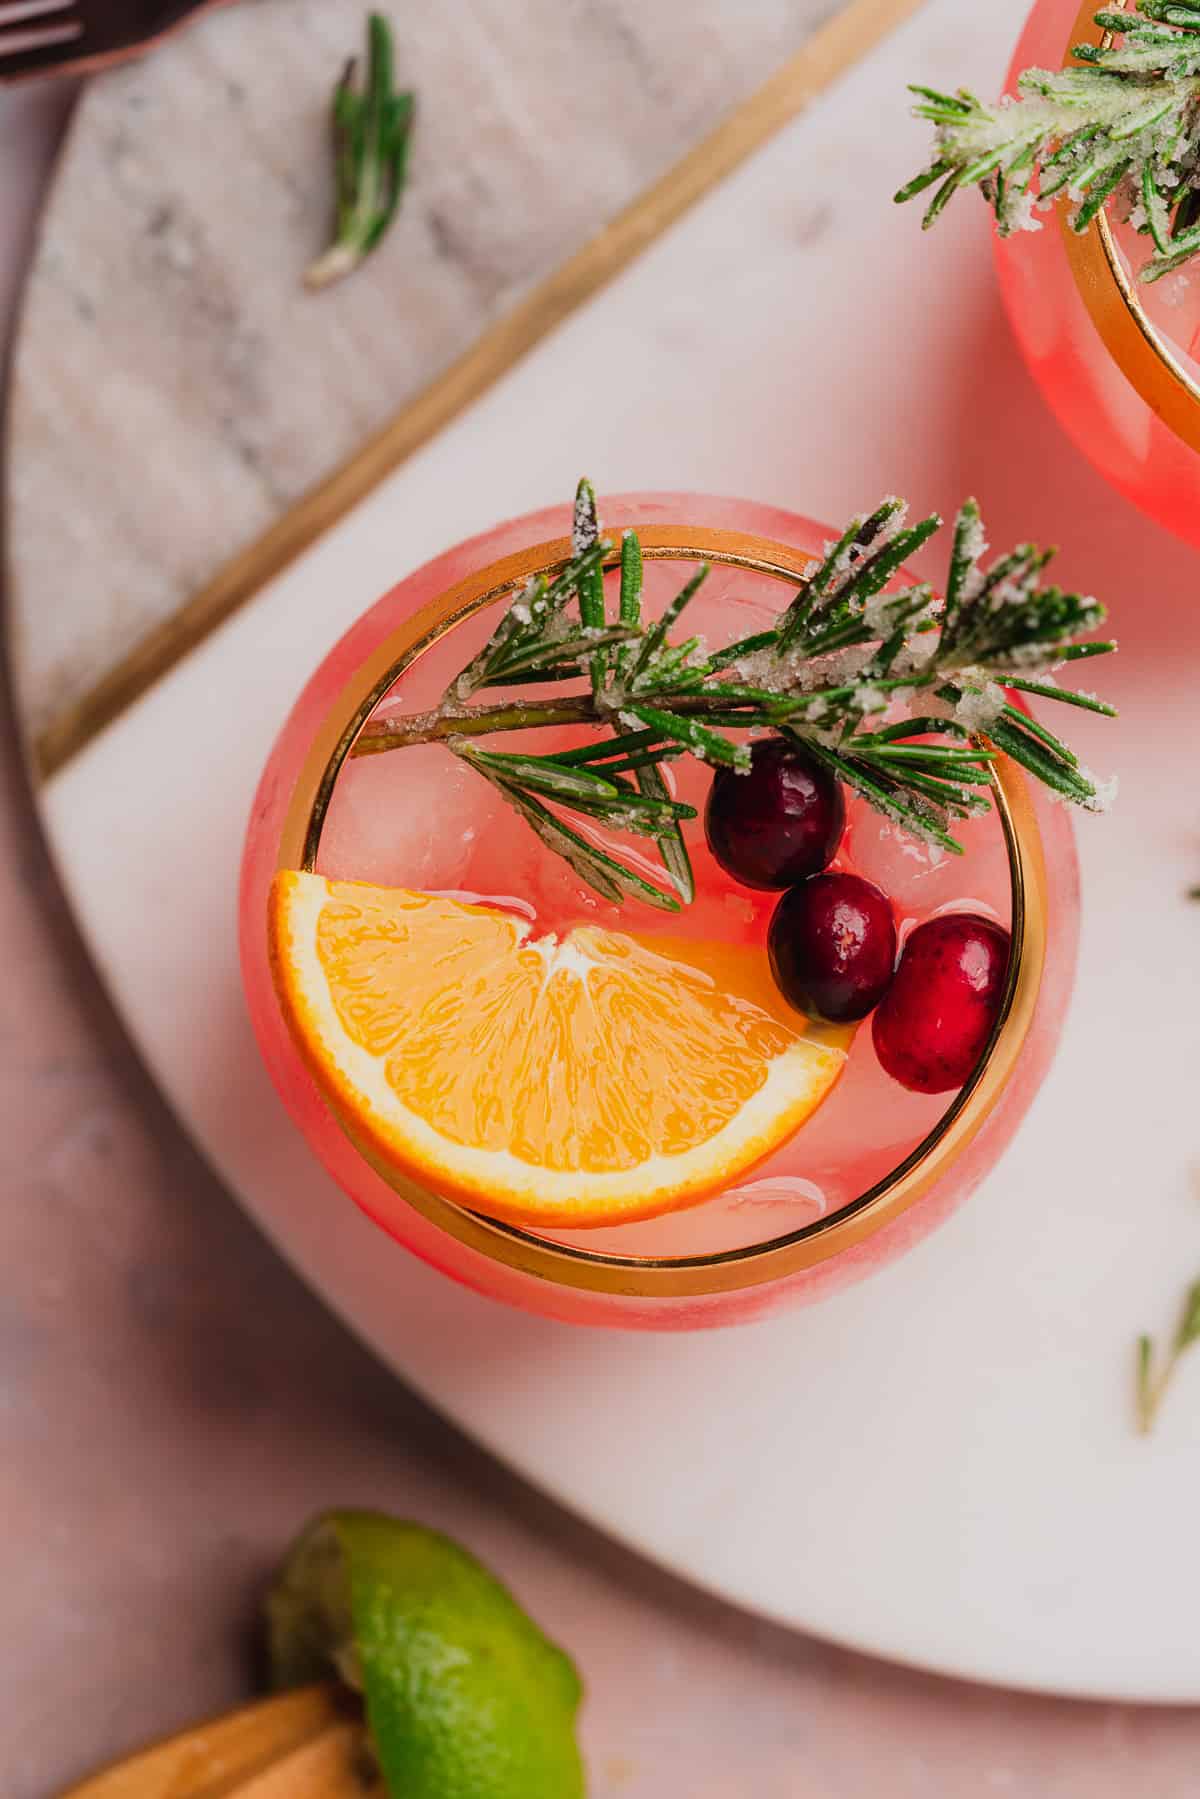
(1117, 359)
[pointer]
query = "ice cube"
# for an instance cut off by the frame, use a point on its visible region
(411, 818)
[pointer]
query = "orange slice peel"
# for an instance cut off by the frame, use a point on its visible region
(552, 1082)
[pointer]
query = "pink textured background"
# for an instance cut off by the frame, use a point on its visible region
(172, 1404)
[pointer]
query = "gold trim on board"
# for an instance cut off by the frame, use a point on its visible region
(833, 49)
(726, 1271)
(1111, 296)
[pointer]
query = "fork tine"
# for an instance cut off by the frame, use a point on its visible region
(15, 12)
(27, 34)
(22, 43)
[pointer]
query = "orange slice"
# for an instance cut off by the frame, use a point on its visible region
(588, 1080)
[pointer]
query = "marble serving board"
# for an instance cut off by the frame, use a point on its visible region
(177, 389)
(939, 1465)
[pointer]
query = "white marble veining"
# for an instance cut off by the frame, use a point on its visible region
(175, 387)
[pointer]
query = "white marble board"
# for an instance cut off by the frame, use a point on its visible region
(938, 1465)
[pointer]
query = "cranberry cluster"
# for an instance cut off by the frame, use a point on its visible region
(832, 939)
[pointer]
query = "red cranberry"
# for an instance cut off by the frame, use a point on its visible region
(931, 1029)
(833, 946)
(778, 823)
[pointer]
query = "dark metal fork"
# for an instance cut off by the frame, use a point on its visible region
(54, 37)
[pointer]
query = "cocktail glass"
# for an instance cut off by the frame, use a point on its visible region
(876, 1168)
(1116, 359)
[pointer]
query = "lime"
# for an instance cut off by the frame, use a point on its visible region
(465, 1698)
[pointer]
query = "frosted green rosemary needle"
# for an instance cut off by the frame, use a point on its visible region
(1120, 123)
(842, 658)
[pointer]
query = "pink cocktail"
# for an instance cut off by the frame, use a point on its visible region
(1117, 359)
(876, 1167)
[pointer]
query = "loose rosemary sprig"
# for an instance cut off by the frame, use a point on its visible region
(1151, 1384)
(372, 125)
(832, 673)
(1124, 121)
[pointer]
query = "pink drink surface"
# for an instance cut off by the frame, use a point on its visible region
(1088, 392)
(419, 817)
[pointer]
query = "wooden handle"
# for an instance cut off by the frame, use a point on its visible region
(302, 1745)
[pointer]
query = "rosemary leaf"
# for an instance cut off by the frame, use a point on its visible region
(529, 618)
(530, 659)
(629, 604)
(580, 789)
(874, 572)
(1083, 652)
(885, 795)
(671, 846)
(930, 758)
(1051, 770)
(1024, 721)
(605, 747)
(1065, 696)
(1188, 1331)
(610, 878)
(656, 636)
(1122, 121)
(703, 742)
(964, 556)
(915, 727)
(652, 700)
(372, 127)
(936, 170)
(739, 651)
(666, 752)
(585, 534)
(955, 802)
(1151, 1388)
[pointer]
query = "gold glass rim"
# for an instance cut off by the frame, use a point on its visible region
(1110, 294)
(721, 1271)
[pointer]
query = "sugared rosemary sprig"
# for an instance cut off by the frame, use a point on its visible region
(372, 125)
(1124, 121)
(1151, 1384)
(854, 671)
